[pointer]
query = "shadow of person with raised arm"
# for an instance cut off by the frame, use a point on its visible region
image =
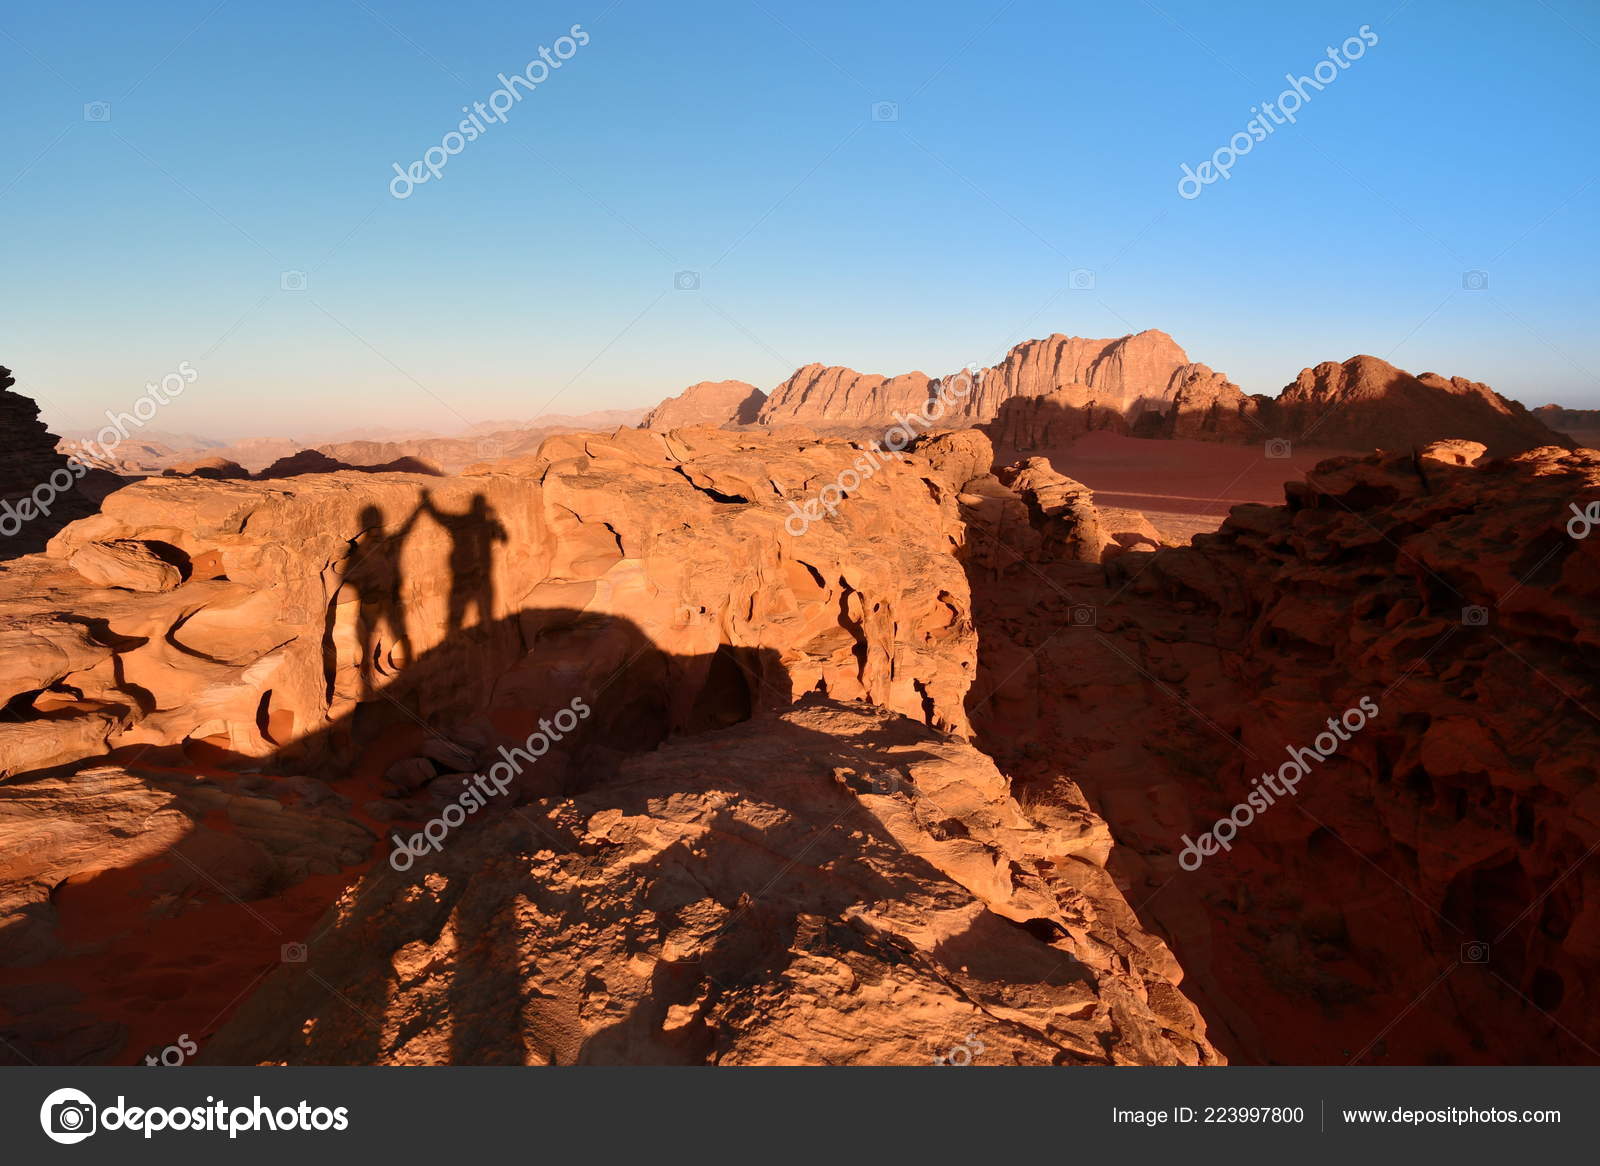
(473, 534)
(374, 571)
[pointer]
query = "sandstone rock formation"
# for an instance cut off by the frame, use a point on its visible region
(1061, 511)
(276, 592)
(1047, 393)
(1424, 897)
(841, 396)
(127, 564)
(1146, 379)
(364, 639)
(1051, 420)
(217, 468)
(432, 455)
(1367, 403)
(130, 458)
(718, 403)
(1582, 425)
(830, 885)
(316, 461)
(232, 706)
(1044, 391)
(33, 477)
(1028, 513)
(1453, 452)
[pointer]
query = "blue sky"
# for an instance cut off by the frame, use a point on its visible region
(737, 140)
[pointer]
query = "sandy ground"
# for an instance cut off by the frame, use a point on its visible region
(1184, 487)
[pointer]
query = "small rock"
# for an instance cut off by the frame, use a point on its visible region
(412, 773)
(125, 563)
(448, 753)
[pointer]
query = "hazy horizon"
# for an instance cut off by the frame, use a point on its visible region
(318, 429)
(914, 187)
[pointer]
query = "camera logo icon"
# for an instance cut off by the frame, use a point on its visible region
(1279, 447)
(885, 784)
(1476, 952)
(963, 1054)
(1083, 615)
(68, 1116)
(1080, 279)
(97, 111)
(294, 281)
(1475, 280)
(686, 281)
(1475, 617)
(885, 111)
(294, 953)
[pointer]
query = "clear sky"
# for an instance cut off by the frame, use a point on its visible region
(745, 141)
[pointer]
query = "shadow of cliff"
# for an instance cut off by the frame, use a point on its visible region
(1025, 425)
(1321, 931)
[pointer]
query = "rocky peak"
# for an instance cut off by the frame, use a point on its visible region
(718, 403)
(1367, 403)
(33, 474)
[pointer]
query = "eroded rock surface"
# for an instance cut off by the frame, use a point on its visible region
(1044, 391)
(715, 403)
(34, 477)
(228, 699)
(1426, 895)
(832, 885)
(1368, 403)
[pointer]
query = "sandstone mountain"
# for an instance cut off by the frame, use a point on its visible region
(1141, 380)
(1368, 403)
(1046, 393)
(722, 403)
(841, 396)
(1583, 425)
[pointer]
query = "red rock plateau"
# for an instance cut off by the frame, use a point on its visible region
(911, 781)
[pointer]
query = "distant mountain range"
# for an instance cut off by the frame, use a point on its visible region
(151, 451)
(1050, 391)
(1044, 393)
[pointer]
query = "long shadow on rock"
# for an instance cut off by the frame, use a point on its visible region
(160, 884)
